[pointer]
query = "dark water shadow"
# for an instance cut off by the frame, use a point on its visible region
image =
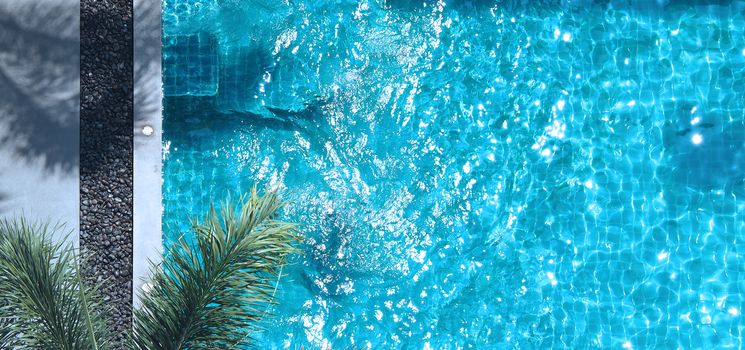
(39, 90)
(708, 155)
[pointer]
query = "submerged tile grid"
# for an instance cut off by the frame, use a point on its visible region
(191, 64)
(563, 179)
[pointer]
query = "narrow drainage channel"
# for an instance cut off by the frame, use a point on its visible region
(106, 152)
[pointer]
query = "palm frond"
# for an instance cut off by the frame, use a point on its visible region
(209, 291)
(44, 302)
(8, 331)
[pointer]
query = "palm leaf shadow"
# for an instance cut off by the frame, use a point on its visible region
(147, 51)
(39, 75)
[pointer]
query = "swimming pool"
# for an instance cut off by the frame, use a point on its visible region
(475, 174)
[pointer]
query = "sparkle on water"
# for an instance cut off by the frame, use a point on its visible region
(697, 139)
(468, 175)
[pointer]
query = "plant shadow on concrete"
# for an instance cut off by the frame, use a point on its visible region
(147, 84)
(3, 198)
(39, 73)
(208, 292)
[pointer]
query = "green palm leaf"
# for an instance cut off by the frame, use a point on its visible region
(44, 302)
(209, 292)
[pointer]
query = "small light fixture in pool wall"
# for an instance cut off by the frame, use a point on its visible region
(147, 130)
(697, 139)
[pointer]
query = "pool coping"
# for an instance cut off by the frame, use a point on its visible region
(147, 237)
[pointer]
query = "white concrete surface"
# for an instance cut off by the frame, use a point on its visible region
(148, 209)
(39, 111)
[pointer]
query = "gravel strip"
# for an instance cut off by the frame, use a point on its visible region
(106, 146)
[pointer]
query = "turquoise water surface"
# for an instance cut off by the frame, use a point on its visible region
(475, 174)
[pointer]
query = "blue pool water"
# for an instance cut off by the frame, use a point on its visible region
(475, 174)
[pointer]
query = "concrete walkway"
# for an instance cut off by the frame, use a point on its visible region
(39, 111)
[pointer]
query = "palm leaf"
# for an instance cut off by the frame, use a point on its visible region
(209, 291)
(8, 331)
(44, 302)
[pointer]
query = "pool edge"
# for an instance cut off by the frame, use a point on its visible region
(147, 240)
